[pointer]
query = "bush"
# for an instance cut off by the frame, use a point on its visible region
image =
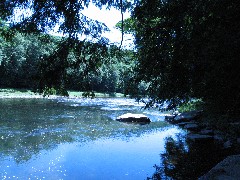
(49, 91)
(196, 104)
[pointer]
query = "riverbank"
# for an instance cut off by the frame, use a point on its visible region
(199, 130)
(24, 93)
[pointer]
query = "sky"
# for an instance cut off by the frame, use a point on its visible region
(110, 18)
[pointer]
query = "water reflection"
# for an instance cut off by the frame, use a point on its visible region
(185, 159)
(62, 138)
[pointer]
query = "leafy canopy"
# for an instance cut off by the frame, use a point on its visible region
(41, 16)
(189, 49)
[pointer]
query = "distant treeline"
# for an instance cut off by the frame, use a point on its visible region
(27, 61)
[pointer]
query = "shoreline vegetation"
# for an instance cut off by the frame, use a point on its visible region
(25, 93)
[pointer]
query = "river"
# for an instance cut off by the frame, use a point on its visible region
(78, 138)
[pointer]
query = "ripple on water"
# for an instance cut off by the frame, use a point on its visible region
(51, 128)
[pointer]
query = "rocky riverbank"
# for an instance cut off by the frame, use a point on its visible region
(198, 130)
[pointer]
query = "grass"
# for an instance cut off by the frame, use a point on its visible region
(10, 92)
(15, 92)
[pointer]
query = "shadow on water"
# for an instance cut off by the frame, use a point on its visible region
(186, 159)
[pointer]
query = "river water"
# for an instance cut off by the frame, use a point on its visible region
(70, 138)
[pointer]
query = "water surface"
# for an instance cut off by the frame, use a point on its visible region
(66, 138)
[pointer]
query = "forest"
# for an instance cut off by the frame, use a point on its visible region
(184, 50)
(23, 66)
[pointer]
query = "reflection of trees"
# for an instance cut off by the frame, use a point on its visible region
(187, 160)
(23, 145)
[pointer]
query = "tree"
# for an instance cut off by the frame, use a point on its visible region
(128, 25)
(43, 16)
(112, 74)
(20, 59)
(28, 61)
(188, 49)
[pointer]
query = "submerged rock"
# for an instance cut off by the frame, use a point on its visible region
(134, 118)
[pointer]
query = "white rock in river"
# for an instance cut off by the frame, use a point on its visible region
(133, 118)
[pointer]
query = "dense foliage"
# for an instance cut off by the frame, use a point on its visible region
(189, 49)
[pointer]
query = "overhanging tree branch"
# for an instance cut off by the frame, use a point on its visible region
(121, 3)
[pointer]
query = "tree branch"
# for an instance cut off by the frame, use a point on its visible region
(122, 23)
